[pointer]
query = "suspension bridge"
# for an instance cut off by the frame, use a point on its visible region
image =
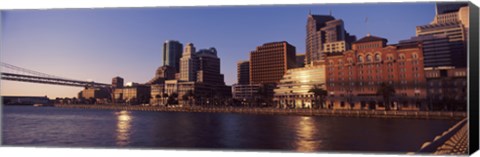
(20, 74)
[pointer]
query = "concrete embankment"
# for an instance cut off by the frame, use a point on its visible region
(274, 111)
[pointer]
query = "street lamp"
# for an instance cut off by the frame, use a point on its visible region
(417, 93)
(332, 94)
(349, 93)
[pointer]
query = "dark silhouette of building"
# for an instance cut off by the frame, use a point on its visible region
(447, 88)
(243, 72)
(117, 82)
(172, 52)
(300, 59)
(325, 34)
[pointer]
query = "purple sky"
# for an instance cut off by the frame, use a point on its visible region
(99, 44)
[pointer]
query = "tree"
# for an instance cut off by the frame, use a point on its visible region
(386, 91)
(319, 95)
(190, 96)
(172, 98)
(165, 96)
(185, 98)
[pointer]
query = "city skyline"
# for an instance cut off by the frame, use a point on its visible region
(113, 52)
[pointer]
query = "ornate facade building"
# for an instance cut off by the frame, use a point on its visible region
(355, 76)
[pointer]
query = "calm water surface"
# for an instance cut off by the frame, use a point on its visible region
(61, 127)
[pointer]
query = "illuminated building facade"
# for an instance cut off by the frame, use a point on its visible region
(293, 89)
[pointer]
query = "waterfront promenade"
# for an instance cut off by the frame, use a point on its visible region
(453, 141)
(275, 111)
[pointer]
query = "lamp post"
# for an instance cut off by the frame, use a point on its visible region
(417, 93)
(332, 94)
(349, 93)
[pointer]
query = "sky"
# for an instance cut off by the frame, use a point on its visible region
(101, 43)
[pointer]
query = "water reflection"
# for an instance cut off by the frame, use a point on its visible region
(123, 127)
(305, 141)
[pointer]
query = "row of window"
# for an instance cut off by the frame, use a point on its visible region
(377, 58)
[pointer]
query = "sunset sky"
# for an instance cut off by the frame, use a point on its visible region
(101, 43)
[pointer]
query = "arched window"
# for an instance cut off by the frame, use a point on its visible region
(402, 56)
(340, 62)
(378, 58)
(330, 62)
(369, 58)
(360, 58)
(349, 60)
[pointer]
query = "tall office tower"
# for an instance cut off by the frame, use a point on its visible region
(172, 52)
(437, 50)
(243, 72)
(117, 82)
(325, 34)
(451, 20)
(270, 61)
(188, 66)
(209, 67)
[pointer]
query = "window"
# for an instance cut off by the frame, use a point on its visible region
(378, 58)
(360, 59)
(350, 60)
(401, 56)
(369, 58)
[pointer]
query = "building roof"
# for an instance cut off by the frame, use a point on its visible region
(322, 18)
(370, 38)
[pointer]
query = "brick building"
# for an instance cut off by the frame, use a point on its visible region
(354, 76)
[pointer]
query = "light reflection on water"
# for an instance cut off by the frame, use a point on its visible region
(124, 120)
(306, 135)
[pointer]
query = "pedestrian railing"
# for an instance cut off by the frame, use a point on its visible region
(456, 136)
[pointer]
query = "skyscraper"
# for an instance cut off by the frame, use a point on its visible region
(209, 67)
(451, 20)
(188, 68)
(117, 82)
(172, 52)
(243, 72)
(325, 34)
(270, 61)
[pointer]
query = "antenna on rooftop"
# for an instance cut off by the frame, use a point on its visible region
(330, 12)
(309, 11)
(366, 25)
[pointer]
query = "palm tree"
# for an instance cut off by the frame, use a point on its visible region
(190, 96)
(185, 98)
(318, 93)
(386, 91)
(173, 98)
(158, 99)
(165, 96)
